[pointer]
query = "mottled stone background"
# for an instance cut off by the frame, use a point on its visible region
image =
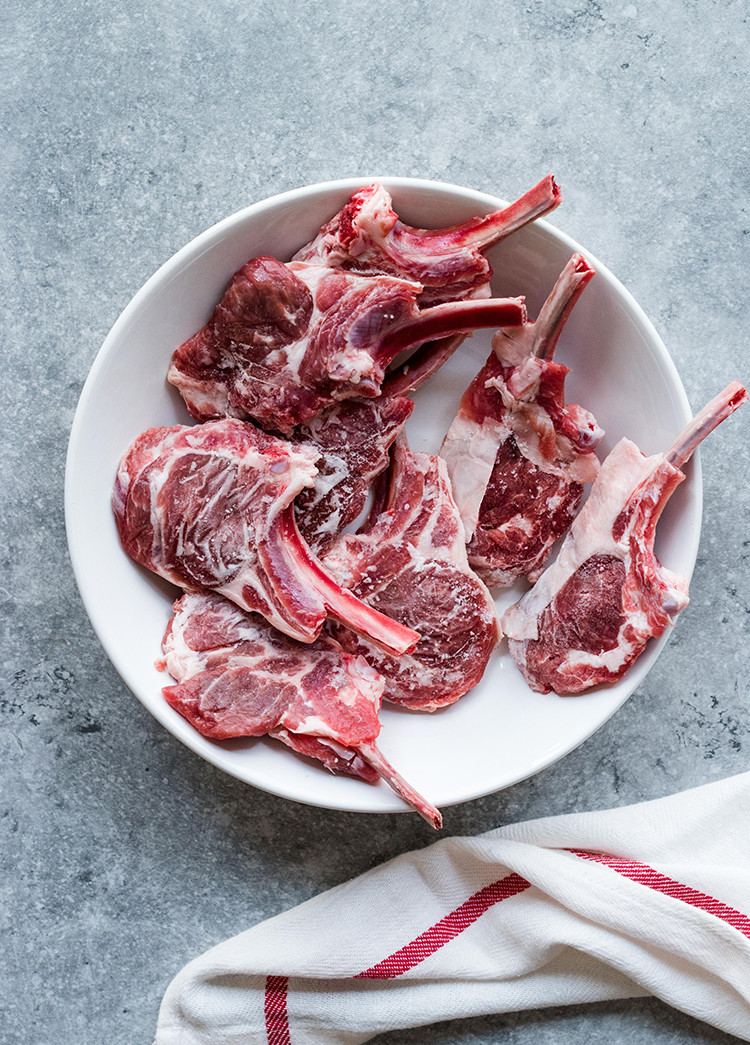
(127, 129)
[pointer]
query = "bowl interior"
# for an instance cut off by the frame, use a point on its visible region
(499, 733)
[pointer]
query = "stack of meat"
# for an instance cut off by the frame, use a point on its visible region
(290, 627)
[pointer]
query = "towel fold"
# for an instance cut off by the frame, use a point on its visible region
(648, 899)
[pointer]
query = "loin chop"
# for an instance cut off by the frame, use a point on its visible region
(409, 561)
(236, 676)
(367, 237)
(593, 610)
(517, 455)
(210, 507)
(288, 340)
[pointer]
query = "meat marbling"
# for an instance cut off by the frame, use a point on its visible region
(354, 438)
(236, 676)
(409, 561)
(210, 507)
(288, 340)
(517, 455)
(593, 610)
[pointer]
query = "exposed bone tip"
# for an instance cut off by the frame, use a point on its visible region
(375, 757)
(433, 818)
(737, 394)
(411, 638)
(581, 265)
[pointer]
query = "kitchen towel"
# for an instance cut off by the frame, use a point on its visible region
(648, 899)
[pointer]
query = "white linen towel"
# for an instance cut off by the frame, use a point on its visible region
(648, 899)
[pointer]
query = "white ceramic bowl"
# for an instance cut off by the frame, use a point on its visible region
(499, 733)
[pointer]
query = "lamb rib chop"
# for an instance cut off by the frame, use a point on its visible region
(593, 610)
(286, 341)
(409, 561)
(210, 507)
(367, 237)
(238, 677)
(517, 455)
(354, 438)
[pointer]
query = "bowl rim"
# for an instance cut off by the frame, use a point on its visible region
(205, 240)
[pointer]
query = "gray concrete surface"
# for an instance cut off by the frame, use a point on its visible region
(126, 130)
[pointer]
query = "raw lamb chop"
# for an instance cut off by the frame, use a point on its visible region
(367, 237)
(354, 438)
(517, 455)
(286, 341)
(409, 561)
(593, 610)
(239, 677)
(210, 507)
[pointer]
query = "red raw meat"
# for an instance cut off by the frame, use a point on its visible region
(210, 507)
(517, 455)
(409, 561)
(286, 341)
(353, 439)
(239, 677)
(593, 610)
(353, 436)
(366, 237)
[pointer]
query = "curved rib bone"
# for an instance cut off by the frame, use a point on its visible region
(370, 753)
(451, 317)
(704, 422)
(387, 634)
(558, 306)
(367, 237)
(480, 233)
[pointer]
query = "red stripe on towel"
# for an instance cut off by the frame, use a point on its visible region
(445, 930)
(277, 1020)
(442, 932)
(645, 875)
